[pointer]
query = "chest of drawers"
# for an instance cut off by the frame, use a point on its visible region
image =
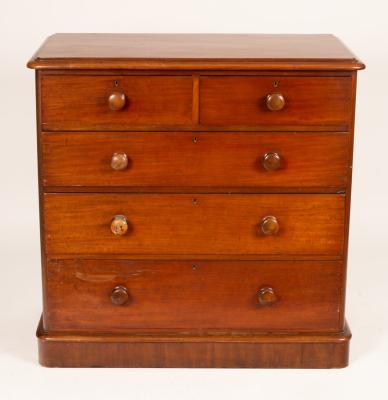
(194, 199)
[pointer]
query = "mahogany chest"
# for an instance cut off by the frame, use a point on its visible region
(194, 199)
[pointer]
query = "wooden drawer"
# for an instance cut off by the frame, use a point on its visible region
(320, 102)
(305, 295)
(185, 225)
(78, 102)
(307, 161)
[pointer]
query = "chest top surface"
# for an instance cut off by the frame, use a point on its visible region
(190, 51)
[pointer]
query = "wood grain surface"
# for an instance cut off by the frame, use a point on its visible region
(81, 102)
(182, 51)
(222, 225)
(172, 295)
(186, 160)
(241, 100)
(303, 350)
(194, 199)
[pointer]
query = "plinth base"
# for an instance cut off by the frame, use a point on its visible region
(195, 350)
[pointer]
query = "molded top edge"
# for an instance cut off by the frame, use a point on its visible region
(194, 51)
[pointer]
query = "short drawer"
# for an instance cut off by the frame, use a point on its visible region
(281, 102)
(79, 102)
(182, 224)
(241, 161)
(118, 295)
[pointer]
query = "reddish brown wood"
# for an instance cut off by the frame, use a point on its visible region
(172, 295)
(209, 257)
(82, 102)
(196, 94)
(187, 160)
(315, 350)
(202, 224)
(349, 192)
(191, 51)
(185, 134)
(241, 100)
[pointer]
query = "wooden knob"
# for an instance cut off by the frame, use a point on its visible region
(269, 225)
(119, 161)
(116, 101)
(119, 225)
(119, 295)
(271, 161)
(266, 296)
(275, 101)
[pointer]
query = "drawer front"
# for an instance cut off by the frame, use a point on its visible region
(308, 101)
(115, 295)
(76, 102)
(181, 224)
(228, 160)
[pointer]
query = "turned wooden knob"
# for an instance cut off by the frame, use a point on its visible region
(119, 225)
(271, 161)
(116, 101)
(269, 225)
(266, 296)
(275, 101)
(119, 295)
(119, 161)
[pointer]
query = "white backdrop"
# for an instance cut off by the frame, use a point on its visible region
(24, 24)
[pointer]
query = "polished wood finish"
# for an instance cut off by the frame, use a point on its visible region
(275, 101)
(119, 225)
(119, 161)
(182, 225)
(308, 161)
(242, 100)
(195, 199)
(223, 350)
(116, 101)
(194, 51)
(269, 225)
(119, 295)
(267, 296)
(182, 295)
(77, 102)
(272, 161)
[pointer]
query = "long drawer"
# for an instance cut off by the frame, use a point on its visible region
(292, 161)
(117, 295)
(182, 224)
